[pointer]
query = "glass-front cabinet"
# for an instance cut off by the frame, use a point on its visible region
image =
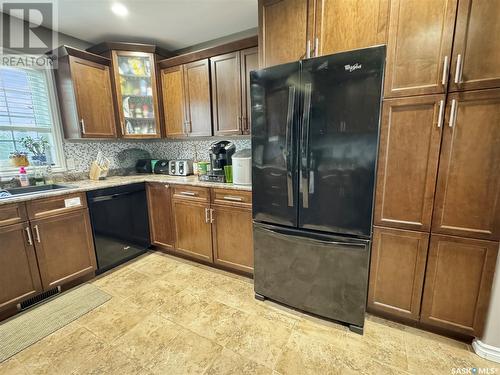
(136, 94)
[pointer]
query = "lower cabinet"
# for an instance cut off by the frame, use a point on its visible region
(232, 237)
(211, 225)
(397, 271)
(19, 276)
(161, 219)
(458, 283)
(64, 247)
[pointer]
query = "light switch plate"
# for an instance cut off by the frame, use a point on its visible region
(70, 163)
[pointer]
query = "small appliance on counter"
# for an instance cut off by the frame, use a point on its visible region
(242, 167)
(180, 167)
(220, 156)
(161, 167)
(143, 166)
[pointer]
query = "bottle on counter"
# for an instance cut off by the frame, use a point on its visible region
(23, 177)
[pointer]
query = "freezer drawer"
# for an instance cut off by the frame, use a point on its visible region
(320, 274)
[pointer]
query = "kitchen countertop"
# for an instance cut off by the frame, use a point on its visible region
(87, 185)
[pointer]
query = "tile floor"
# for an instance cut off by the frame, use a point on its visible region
(170, 316)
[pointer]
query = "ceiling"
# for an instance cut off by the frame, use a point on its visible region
(172, 24)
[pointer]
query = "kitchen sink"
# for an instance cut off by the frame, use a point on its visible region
(30, 190)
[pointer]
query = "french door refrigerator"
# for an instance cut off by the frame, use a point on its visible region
(315, 128)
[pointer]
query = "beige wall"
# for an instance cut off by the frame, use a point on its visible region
(491, 334)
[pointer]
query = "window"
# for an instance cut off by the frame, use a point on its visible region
(28, 108)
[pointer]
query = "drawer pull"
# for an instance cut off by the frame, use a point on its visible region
(28, 232)
(167, 186)
(188, 193)
(234, 199)
(37, 233)
(206, 215)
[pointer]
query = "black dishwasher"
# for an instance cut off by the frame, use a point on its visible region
(120, 225)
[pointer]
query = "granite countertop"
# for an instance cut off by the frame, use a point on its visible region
(87, 185)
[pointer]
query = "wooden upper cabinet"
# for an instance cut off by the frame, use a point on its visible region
(19, 276)
(467, 200)
(226, 94)
(161, 217)
(198, 104)
(343, 25)
(93, 98)
(410, 138)
(136, 93)
(397, 271)
(419, 47)
(476, 52)
(64, 247)
(458, 283)
(249, 62)
(285, 27)
(174, 107)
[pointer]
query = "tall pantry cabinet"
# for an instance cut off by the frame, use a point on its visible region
(437, 204)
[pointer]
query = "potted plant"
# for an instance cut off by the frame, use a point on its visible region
(37, 147)
(19, 159)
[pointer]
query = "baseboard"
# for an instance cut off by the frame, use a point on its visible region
(486, 351)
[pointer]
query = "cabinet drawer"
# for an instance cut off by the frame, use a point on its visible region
(191, 193)
(12, 213)
(232, 197)
(46, 207)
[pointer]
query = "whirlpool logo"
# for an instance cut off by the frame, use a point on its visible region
(351, 68)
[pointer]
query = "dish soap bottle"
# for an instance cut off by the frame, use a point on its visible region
(23, 177)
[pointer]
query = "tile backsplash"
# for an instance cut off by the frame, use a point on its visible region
(123, 154)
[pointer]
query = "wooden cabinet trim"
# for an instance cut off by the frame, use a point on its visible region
(232, 197)
(429, 156)
(191, 193)
(51, 206)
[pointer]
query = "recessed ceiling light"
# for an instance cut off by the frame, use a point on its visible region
(119, 9)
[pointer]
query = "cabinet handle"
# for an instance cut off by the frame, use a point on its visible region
(82, 124)
(37, 233)
(28, 232)
(458, 69)
(441, 113)
(211, 215)
(190, 126)
(231, 198)
(245, 123)
(188, 193)
(445, 70)
(453, 113)
(308, 49)
(167, 186)
(316, 47)
(206, 215)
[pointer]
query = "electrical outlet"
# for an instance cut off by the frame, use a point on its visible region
(70, 164)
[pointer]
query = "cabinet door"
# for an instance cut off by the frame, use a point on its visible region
(249, 62)
(410, 137)
(419, 47)
(161, 217)
(94, 100)
(458, 283)
(476, 52)
(467, 198)
(136, 94)
(174, 107)
(19, 276)
(193, 236)
(226, 94)
(343, 25)
(64, 247)
(285, 30)
(397, 271)
(232, 237)
(197, 86)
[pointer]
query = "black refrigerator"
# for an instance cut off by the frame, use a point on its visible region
(315, 129)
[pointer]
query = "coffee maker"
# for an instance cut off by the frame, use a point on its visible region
(220, 156)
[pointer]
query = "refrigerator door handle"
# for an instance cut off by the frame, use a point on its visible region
(289, 144)
(361, 246)
(304, 146)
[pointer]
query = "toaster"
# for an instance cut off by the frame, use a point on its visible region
(180, 167)
(161, 167)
